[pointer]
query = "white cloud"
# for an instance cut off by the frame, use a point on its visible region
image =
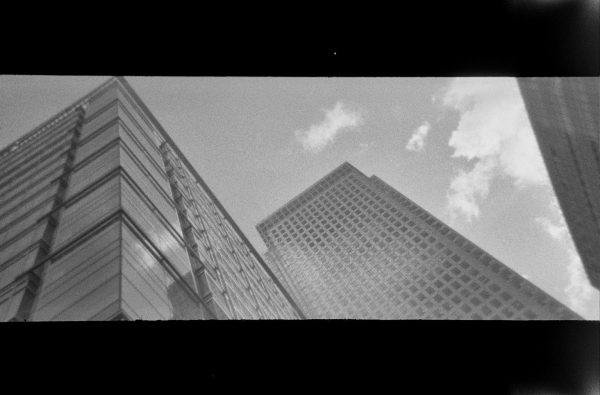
(417, 140)
(337, 120)
(557, 232)
(494, 130)
(578, 290)
(467, 187)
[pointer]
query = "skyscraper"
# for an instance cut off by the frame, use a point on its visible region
(564, 113)
(102, 217)
(351, 246)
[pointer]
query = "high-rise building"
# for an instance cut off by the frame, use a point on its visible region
(564, 113)
(102, 217)
(351, 246)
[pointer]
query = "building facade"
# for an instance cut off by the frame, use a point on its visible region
(102, 218)
(350, 246)
(564, 113)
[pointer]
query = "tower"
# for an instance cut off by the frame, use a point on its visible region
(353, 247)
(102, 217)
(565, 115)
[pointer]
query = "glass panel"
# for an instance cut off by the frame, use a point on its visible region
(56, 161)
(132, 110)
(76, 278)
(151, 190)
(24, 222)
(97, 142)
(94, 170)
(41, 180)
(102, 100)
(8, 251)
(9, 272)
(151, 291)
(161, 236)
(96, 121)
(87, 211)
(26, 202)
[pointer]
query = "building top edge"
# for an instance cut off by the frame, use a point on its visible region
(288, 206)
(58, 116)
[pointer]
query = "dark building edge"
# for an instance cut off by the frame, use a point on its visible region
(304, 192)
(554, 179)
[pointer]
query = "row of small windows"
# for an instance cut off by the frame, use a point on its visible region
(242, 277)
(421, 297)
(448, 292)
(307, 196)
(315, 235)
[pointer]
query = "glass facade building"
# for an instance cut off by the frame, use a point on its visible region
(565, 115)
(102, 217)
(351, 246)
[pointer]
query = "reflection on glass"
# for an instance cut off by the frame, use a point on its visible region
(153, 292)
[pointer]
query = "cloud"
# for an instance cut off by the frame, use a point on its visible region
(467, 188)
(417, 140)
(557, 232)
(493, 130)
(337, 120)
(578, 290)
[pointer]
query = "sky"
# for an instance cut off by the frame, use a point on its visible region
(462, 148)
